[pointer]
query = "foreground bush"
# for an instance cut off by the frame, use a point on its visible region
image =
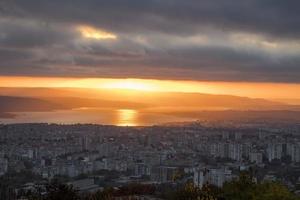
(243, 188)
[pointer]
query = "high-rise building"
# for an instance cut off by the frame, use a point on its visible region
(163, 174)
(3, 166)
(293, 150)
(256, 157)
(216, 177)
(274, 151)
(235, 151)
(141, 169)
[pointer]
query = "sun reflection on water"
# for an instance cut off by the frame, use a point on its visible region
(127, 117)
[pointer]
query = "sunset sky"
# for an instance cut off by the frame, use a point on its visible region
(246, 48)
(248, 89)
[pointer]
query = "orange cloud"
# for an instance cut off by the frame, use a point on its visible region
(94, 33)
(256, 90)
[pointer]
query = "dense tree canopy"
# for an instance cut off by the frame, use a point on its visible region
(242, 188)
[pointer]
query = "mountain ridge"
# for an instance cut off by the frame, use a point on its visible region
(51, 99)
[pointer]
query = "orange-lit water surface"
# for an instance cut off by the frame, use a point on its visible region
(119, 117)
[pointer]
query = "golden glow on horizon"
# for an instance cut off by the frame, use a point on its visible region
(127, 117)
(257, 90)
(93, 33)
(130, 84)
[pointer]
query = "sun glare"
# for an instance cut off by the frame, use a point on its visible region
(129, 84)
(127, 117)
(257, 90)
(97, 34)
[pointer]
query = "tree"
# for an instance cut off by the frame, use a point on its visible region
(239, 189)
(57, 191)
(192, 192)
(273, 191)
(107, 194)
(54, 191)
(244, 188)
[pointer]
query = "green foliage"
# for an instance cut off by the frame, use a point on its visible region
(107, 194)
(135, 189)
(273, 191)
(55, 191)
(245, 189)
(126, 191)
(191, 192)
(242, 188)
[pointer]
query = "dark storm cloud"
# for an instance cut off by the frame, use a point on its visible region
(274, 17)
(156, 39)
(24, 34)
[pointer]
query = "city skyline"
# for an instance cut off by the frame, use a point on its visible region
(149, 99)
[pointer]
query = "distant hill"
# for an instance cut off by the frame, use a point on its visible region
(6, 115)
(76, 102)
(186, 105)
(72, 97)
(242, 116)
(33, 104)
(26, 104)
